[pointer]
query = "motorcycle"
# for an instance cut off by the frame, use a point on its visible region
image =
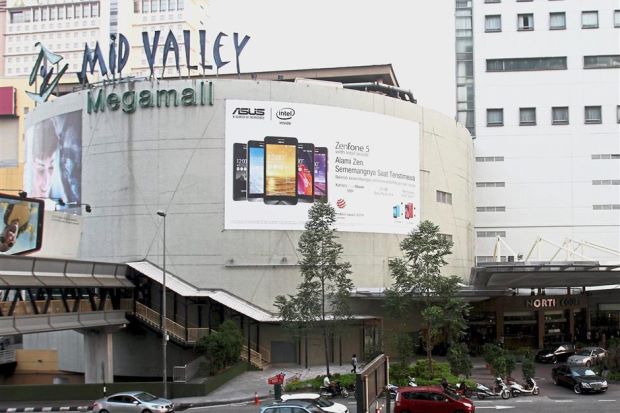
(463, 390)
(393, 389)
(500, 389)
(529, 387)
(334, 390)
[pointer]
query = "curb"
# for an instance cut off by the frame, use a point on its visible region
(45, 409)
(184, 406)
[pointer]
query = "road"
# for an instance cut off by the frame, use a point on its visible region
(560, 400)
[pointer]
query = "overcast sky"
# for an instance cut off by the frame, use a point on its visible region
(415, 36)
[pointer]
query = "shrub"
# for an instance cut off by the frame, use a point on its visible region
(527, 366)
(510, 362)
(460, 362)
(490, 352)
(221, 348)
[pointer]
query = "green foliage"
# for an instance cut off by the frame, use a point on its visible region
(613, 357)
(421, 372)
(222, 348)
(345, 380)
(511, 363)
(527, 366)
(460, 362)
(404, 345)
(417, 275)
(323, 294)
(491, 351)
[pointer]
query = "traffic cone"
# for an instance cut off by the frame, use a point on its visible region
(256, 399)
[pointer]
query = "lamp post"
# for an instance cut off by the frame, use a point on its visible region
(164, 333)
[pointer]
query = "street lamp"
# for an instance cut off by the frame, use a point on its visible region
(164, 335)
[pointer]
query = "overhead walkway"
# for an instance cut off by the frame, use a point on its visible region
(44, 294)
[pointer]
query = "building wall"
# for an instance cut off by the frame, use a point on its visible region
(172, 159)
(547, 170)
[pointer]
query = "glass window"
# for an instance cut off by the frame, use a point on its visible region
(618, 113)
(444, 197)
(589, 19)
(559, 115)
(69, 12)
(527, 116)
(61, 12)
(45, 14)
(146, 6)
(78, 12)
(593, 114)
(95, 10)
(495, 117)
(181, 4)
(155, 6)
(526, 64)
(53, 13)
(86, 10)
(525, 21)
(616, 18)
(493, 23)
(173, 5)
(557, 21)
(163, 5)
(601, 62)
(492, 1)
(37, 14)
(17, 17)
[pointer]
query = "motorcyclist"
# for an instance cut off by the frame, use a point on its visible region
(444, 383)
(328, 385)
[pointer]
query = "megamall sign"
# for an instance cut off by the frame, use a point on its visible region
(118, 56)
(129, 101)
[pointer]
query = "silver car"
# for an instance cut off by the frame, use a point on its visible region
(588, 356)
(133, 402)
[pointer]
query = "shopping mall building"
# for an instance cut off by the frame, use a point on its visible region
(214, 156)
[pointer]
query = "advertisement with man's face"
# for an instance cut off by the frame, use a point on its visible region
(54, 159)
(364, 164)
(21, 225)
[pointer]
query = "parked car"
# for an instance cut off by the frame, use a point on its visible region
(555, 353)
(588, 356)
(296, 406)
(318, 400)
(430, 399)
(580, 379)
(133, 402)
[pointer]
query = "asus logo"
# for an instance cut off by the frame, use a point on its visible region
(249, 111)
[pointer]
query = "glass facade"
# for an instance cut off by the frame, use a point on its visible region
(465, 98)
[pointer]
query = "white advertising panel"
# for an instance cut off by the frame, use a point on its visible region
(281, 157)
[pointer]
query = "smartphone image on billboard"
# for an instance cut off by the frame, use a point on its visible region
(305, 172)
(396, 211)
(22, 224)
(280, 170)
(240, 171)
(320, 174)
(409, 210)
(256, 170)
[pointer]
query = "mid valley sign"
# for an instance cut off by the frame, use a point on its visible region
(118, 57)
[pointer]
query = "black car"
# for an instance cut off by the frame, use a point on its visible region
(555, 353)
(580, 379)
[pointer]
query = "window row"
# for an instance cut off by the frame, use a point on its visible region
(594, 156)
(491, 209)
(556, 21)
(59, 12)
(606, 182)
(490, 184)
(605, 207)
(523, 64)
(559, 116)
(154, 6)
(489, 159)
(490, 234)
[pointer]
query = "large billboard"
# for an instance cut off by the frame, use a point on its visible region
(53, 167)
(281, 157)
(22, 224)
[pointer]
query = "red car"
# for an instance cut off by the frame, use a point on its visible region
(431, 399)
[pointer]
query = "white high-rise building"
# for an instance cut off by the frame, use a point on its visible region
(538, 86)
(65, 26)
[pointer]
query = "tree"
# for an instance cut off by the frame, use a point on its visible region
(417, 277)
(221, 348)
(460, 362)
(322, 297)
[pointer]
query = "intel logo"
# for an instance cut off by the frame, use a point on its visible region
(285, 113)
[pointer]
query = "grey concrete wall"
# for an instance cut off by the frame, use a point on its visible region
(173, 159)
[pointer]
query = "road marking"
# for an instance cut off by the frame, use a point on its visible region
(496, 407)
(606, 400)
(563, 401)
(524, 401)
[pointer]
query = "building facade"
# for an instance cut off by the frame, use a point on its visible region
(545, 114)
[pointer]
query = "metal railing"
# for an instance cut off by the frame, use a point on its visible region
(25, 308)
(191, 335)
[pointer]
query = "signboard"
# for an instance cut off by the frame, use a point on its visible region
(281, 157)
(22, 224)
(7, 100)
(53, 166)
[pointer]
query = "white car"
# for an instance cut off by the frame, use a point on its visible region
(588, 356)
(317, 399)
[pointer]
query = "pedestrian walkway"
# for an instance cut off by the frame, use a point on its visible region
(244, 387)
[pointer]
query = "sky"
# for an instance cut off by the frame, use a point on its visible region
(415, 36)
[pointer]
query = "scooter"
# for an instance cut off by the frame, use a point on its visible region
(393, 389)
(334, 391)
(463, 390)
(529, 387)
(499, 390)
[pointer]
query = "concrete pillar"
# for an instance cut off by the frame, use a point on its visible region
(499, 325)
(541, 328)
(98, 356)
(571, 324)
